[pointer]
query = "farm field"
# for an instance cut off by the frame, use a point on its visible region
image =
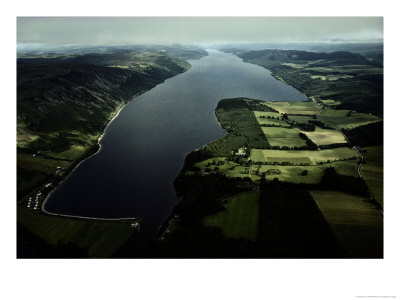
(240, 218)
(302, 156)
(220, 162)
(330, 102)
(300, 119)
(345, 118)
(34, 170)
(292, 222)
(270, 118)
(295, 108)
(372, 172)
(288, 137)
(325, 136)
(357, 223)
(73, 153)
(331, 77)
(293, 174)
(99, 238)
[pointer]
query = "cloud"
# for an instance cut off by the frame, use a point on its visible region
(164, 30)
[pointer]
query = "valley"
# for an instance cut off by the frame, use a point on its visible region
(258, 164)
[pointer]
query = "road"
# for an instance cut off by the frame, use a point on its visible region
(360, 162)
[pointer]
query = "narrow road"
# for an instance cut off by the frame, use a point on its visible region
(354, 147)
(360, 162)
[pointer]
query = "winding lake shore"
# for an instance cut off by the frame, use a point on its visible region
(91, 152)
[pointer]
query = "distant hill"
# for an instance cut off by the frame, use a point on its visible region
(353, 80)
(373, 51)
(334, 58)
(69, 92)
(176, 50)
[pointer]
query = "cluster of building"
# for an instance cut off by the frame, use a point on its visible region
(34, 204)
(135, 225)
(241, 151)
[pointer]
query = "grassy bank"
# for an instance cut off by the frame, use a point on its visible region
(70, 236)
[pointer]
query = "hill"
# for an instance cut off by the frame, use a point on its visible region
(352, 80)
(64, 103)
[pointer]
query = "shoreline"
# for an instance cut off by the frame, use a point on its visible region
(98, 145)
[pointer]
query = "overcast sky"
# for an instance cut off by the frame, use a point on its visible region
(201, 30)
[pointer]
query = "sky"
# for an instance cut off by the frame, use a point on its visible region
(56, 31)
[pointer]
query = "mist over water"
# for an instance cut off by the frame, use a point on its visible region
(143, 149)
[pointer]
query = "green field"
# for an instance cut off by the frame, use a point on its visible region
(75, 152)
(288, 137)
(98, 238)
(34, 170)
(292, 174)
(372, 172)
(357, 224)
(331, 77)
(240, 218)
(209, 163)
(325, 136)
(314, 175)
(270, 118)
(302, 156)
(330, 102)
(300, 119)
(341, 119)
(295, 108)
(271, 114)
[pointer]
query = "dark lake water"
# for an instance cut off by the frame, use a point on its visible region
(143, 149)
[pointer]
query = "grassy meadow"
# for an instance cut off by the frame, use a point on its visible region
(372, 171)
(308, 174)
(270, 119)
(325, 136)
(278, 136)
(346, 119)
(330, 102)
(300, 119)
(295, 108)
(302, 156)
(240, 217)
(355, 221)
(98, 238)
